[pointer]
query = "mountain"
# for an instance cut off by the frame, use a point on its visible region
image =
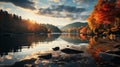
(53, 29)
(72, 25)
(73, 28)
(60, 26)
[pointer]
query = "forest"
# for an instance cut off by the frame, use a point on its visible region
(11, 23)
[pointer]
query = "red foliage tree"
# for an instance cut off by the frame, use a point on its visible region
(105, 12)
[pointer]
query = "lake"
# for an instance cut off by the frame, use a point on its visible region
(58, 50)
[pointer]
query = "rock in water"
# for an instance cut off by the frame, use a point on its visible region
(110, 57)
(56, 48)
(117, 46)
(46, 56)
(71, 51)
(114, 52)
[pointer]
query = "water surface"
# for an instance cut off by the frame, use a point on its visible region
(25, 50)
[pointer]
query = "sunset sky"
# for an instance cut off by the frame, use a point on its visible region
(56, 12)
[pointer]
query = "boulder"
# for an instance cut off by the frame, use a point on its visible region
(56, 48)
(46, 56)
(114, 52)
(117, 46)
(113, 58)
(71, 51)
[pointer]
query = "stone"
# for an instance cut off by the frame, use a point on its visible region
(46, 56)
(56, 48)
(71, 51)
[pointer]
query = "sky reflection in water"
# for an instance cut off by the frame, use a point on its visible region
(25, 50)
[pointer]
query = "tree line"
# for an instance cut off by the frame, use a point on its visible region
(11, 23)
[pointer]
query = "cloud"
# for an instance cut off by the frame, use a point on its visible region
(62, 11)
(1, 7)
(8, 57)
(21, 3)
(8, 9)
(84, 1)
(56, 0)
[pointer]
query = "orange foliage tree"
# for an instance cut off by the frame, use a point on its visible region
(105, 12)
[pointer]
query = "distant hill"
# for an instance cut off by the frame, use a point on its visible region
(59, 26)
(76, 25)
(53, 29)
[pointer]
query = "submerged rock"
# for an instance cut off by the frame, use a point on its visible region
(56, 48)
(71, 51)
(46, 56)
(23, 63)
(110, 57)
(117, 46)
(114, 52)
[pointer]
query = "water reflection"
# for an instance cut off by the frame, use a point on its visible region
(98, 48)
(74, 38)
(25, 50)
(14, 43)
(59, 50)
(100, 44)
(56, 59)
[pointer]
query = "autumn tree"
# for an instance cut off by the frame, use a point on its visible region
(105, 14)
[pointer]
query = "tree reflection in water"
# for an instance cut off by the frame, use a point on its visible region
(74, 38)
(90, 55)
(98, 44)
(15, 42)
